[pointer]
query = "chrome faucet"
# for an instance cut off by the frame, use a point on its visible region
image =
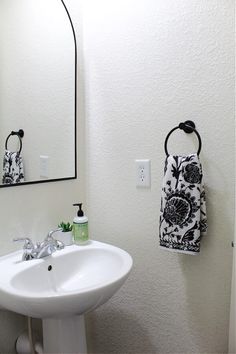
(28, 248)
(49, 245)
(40, 250)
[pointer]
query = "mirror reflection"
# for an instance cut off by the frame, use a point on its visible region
(37, 92)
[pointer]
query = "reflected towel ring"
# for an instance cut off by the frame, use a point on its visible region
(188, 127)
(20, 135)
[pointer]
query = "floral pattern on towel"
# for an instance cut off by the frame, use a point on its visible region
(13, 171)
(183, 205)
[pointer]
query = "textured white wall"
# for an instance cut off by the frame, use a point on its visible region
(34, 209)
(149, 65)
(232, 327)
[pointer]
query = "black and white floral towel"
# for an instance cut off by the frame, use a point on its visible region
(13, 170)
(183, 205)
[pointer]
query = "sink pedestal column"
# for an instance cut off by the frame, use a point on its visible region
(64, 335)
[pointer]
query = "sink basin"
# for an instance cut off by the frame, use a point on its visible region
(70, 282)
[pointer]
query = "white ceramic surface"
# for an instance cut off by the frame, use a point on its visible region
(81, 279)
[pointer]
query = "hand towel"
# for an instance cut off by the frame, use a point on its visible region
(13, 169)
(183, 205)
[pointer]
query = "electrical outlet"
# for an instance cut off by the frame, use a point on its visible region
(143, 173)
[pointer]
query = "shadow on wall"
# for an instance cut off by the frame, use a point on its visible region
(123, 333)
(207, 279)
(11, 326)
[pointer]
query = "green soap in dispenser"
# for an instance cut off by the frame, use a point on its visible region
(80, 227)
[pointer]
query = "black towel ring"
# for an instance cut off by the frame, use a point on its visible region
(188, 127)
(20, 135)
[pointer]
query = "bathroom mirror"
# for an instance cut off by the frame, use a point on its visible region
(37, 92)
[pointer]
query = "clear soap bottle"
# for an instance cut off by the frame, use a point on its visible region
(80, 227)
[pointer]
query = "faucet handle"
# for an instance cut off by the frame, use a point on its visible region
(29, 248)
(49, 236)
(28, 244)
(58, 244)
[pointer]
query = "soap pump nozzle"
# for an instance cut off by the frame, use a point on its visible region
(80, 212)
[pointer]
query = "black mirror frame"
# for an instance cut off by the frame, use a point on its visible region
(75, 119)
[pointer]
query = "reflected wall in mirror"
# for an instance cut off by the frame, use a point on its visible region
(37, 91)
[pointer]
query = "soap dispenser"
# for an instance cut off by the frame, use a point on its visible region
(80, 227)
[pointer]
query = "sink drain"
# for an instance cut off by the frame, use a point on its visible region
(49, 268)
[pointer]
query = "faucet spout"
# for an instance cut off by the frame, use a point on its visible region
(46, 250)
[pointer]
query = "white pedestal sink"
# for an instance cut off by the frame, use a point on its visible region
(61, 288)
(64, 335)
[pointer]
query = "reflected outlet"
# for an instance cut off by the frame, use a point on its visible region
(44, 162)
